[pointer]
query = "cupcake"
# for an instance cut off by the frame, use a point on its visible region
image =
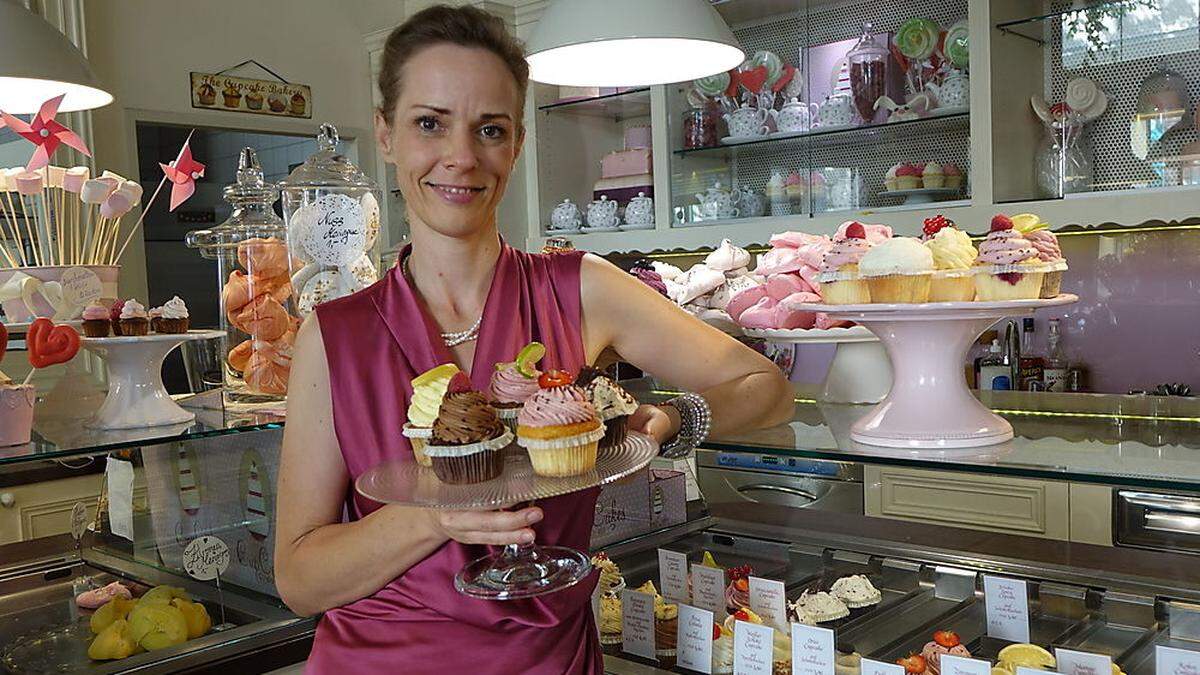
(611, 580)
(954, 176)
(781, 655)
(174, 317)
(897, 270)
(298, 103)
(559, 427)
(666, 626)
(133, 318)
(1046, 242)
(206, 94)
(839, 279)
(467, 436)
(932, 176)
(1008, 267)
(822, 606)
(96, 321)
(889, 178)
(846, 661)
(943, 642)
(722, 650)
(908, 177)
(513, 383)
(232, 96)
(276, 103)
(428, 388)
(953, 257)
(613, 404)
(795, 188)
(737, 593)
(155, 314)
(114, 315)
(610, 619)
(856, 591)
(254, 100)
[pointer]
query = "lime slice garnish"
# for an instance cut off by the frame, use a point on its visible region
(528, 357)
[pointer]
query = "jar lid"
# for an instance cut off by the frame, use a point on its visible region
(250, 184)
(253, 216)
(868, 48)
(327, 168)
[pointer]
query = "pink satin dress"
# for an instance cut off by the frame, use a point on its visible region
(376, 342)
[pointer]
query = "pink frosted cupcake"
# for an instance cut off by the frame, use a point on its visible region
(559, 427)
(96, 322)
(1008, 267)
(1049, 252)
(513, 383)
(839, 279)
(909, 177)
(953, 176)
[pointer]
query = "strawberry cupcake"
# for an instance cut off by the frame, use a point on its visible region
(953, 257)
(737, 593)
(908, 177)
(943, 642)
(96, 321)
(1038, 233)
(559, 427)
(953, 176)
(513, 383)
(889, 178)
(839, 277)
(1008, 266)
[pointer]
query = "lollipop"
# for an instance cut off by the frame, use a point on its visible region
(754, 80)
(957, 46)
(713, 85)
(771, 62)
(917, 38)
(49, 344)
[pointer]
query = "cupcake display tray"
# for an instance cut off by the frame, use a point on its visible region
(406, 482)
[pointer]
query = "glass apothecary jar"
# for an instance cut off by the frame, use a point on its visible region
(331, 211)
(258, 311)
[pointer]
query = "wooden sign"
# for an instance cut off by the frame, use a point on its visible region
(264, 97)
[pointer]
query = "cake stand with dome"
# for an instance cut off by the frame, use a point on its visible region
(515, 571)
(929, 405)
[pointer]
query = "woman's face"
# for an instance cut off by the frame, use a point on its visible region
(454, 137)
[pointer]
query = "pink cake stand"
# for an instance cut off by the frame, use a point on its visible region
(930, 405)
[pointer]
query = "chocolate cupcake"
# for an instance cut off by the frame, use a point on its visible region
(467, 436)
(612, 403)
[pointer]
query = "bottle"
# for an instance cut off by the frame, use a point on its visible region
(976, 354)
(1030, 365)
(1055, 372)
(994, 373)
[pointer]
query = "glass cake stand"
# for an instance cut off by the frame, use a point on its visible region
(515, 571)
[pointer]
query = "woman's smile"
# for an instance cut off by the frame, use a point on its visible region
(458, 195)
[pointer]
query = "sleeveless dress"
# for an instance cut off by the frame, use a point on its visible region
(376, 342)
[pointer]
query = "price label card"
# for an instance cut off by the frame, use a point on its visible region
(80, 286)
(1071, 662)
(336, 229)
(79, 520)
(205, 558)
(672, 575)
(637, 623)
(958, 665)
(708, 589)
(1007, 608)
(768, 599)
(753, 649)
(1172, 661)
(695, 639)
(812, 650)
(871, 667)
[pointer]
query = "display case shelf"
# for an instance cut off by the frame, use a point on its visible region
(619, 106)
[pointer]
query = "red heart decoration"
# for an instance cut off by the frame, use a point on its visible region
(3, 341)
(753, 79)
(732, 89)
(49, 344)
(789, 71)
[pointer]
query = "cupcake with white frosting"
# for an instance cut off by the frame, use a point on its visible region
(856, 591)
(820, 607)
(897, 271)
(173, 318)
(613, 404)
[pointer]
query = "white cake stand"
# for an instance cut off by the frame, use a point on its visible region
(860, 371)
(136, 395)
(929, 405)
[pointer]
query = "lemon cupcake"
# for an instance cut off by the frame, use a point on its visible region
(953, 256)
(428, 388)
(839, 276)
(897, 271)
(1008, 267)
(559, 427)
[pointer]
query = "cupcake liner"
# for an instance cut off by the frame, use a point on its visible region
(900, 288)
(1016, 268)
(952, 288)
(610, 639)
(418, 437)
(469, 448)
(469, 463)
(538, 444)
(171, 326)
(508, 416)
(1051, 285)
(832, 276)
(97, 327)
(992, 288)
(568, 456)
(934, 181)
(855, 292)
(615, 431)
(966, 272)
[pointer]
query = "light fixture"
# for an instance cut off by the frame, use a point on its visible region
(625, 43)
(37, 63)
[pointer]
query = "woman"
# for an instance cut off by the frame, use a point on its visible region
(453, 84)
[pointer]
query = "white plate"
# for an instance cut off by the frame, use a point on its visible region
(551, 233)
(790, 134)
(837, 127)
(812, 335)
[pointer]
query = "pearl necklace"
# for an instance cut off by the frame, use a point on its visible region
(452, 339)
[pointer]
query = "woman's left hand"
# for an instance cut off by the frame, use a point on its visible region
(654, 421)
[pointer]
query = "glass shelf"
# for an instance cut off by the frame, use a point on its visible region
(620, 106)
(56, 437)
(1033, 25)
(868, 134)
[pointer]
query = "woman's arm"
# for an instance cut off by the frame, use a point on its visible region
(321, 562)
(743, 388)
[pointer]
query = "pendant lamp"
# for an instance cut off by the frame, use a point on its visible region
(37, 63)
(623, 43)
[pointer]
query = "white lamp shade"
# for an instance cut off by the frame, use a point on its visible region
(38, 63)
(624, 43)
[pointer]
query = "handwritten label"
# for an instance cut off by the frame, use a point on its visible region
(768, 599)
(337, 229)
(1173, 661)
(78, 520)
(637, 623)
(1007, 608)
(1071, 662)
(80, 286)
(812, 650)
(205, 558)
(695, 638)
(872, 667)
(708, 589)
(958, 665)
(672, 575)
(753, 649)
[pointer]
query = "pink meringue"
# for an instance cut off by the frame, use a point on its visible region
(97, 597)
(787, 316)
(779, 286)
(760, 315)
(875, 233)
(744, 300)
(794, 239)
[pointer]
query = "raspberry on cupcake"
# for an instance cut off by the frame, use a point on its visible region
(559, 427)
(1008, 266)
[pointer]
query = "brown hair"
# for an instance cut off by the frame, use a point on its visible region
(463, 26)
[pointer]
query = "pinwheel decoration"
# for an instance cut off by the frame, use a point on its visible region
(45, 132)
(183, 174)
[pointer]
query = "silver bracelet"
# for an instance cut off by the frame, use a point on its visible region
(695, 421)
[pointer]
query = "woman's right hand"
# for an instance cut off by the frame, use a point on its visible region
(497, 528)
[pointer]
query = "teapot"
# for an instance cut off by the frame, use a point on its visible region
(746, 122)
(750, 204)
(794, 116)
(565, 216)
(716, 204)
(954, 91)
(835, 111)
(602, 214)
(639, 214)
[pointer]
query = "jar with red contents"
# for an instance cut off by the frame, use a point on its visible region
(699, 128)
